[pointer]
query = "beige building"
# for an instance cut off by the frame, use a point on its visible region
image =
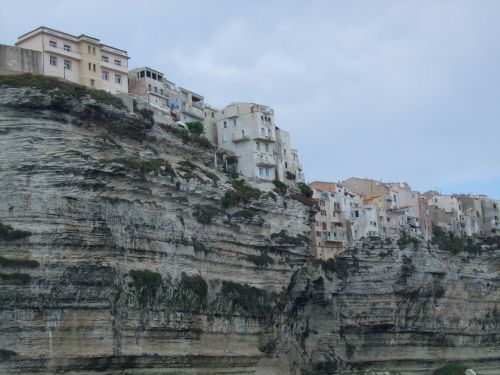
(387, 201)
(445, 211)
(79, 59)
(210, 123)
(192, 106)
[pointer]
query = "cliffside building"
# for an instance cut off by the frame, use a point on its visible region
(249, 130)
(151, 85)
(80, 59)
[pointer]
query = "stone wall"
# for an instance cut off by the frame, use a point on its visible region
(19, 60)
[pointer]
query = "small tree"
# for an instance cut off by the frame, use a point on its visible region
(195, 127)
(305, 190)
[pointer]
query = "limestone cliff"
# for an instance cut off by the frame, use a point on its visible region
(123, 251)
(116, 253)
(382, 308)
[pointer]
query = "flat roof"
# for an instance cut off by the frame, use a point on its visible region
(42, 28)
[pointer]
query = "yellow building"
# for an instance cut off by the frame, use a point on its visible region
(79, 59)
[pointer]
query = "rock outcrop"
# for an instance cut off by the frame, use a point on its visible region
(385, 310)
(116, 252)
(123, 251)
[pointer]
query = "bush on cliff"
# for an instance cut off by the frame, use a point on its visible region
(191, 293)
(247, 300)
(59, 87)
(451, 369)
(146, 283)
(241, 193)
(8, 233)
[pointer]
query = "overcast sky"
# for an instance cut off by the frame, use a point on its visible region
(392, 90)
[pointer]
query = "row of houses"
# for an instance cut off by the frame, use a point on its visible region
(247, 130)
(361, 208)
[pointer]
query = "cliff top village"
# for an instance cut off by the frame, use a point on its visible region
(349, 211)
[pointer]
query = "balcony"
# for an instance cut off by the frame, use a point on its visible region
(266, 161)
(193, 110)
(112, 66)
(264, 138)
(62, 52)
(240, 138)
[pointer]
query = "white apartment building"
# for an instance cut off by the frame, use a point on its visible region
(151, 85)
(80, 59)
(248, 129)
(288, 167)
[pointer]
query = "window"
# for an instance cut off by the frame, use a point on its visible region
(67, 64)
(105, 76)
(90, 66)
(148, 74)
(321, 202)
(161, 92)
(149, 87)
(268, 132)
(264, 171)
(118, 62)
(323, 226)
(267, 147)
(89, 49)
(356, 213)
(213, 115)
(258, 145)
(286, 165)
(223, 138)
(323, 213)
(242, 133)
(67, 48)
(118, 79)
(234, 122)
(93, 67)
(92, 82)
(156, 89)
(52, 44)
(93, 50)
(225, 124)
(142, 74)
(53, 60)
(262, 131)
(105, 59)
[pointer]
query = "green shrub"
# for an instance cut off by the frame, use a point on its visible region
(6, 354)
(191, 293)
(195, 127)
(451, 369)
(279, 187)
(340, 266)
(290, 176)
(241, 193)
(146, 166)
(146, 114)
(205, 213)
(261, 260)
(8, 233)
(199, 246)
(146, 283)
(305, 190)
(21, 263)
(282, 238)
(17, 278)
(58, 87)
(404, 240)
(247, 300)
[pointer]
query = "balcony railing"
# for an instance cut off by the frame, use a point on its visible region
(112, 66)
(61, 51)
(240, 138)
(264, 138)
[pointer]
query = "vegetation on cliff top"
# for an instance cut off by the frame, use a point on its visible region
(59, 87)
(454, 244)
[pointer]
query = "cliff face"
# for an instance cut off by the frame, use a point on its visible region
(116, 253)
(123, 251)
(381, 308)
